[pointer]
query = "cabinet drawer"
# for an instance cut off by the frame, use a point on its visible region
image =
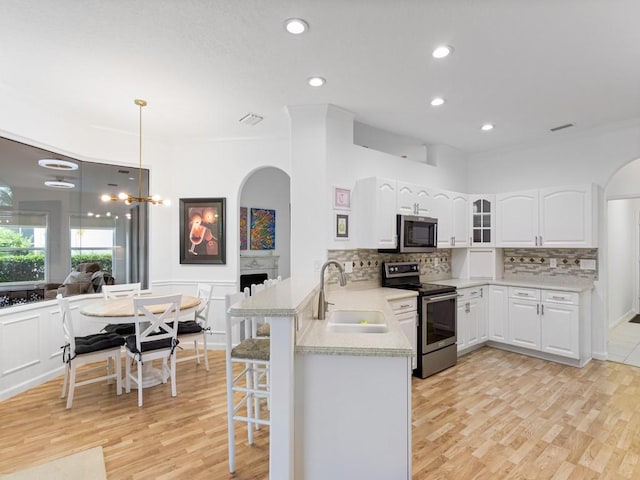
(554, 296)
(471, 292)
(401, 305)
(530, 293)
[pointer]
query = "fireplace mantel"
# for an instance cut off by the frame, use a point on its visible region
(250, 264)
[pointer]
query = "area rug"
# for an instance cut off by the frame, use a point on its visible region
(85, 465)
(635, 319)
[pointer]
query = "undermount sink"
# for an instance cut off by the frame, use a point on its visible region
(357, 321)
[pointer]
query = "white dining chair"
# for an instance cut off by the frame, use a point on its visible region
(197, 330)
(114, 292)
(156, 329)
(253, 355)
(124, 290)
(79, 351)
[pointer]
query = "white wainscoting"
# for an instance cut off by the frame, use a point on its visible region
(31, 334)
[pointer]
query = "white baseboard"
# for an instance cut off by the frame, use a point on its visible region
(32, 382)
(624, 318)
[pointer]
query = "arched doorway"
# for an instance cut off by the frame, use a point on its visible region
(265, 246)
(622, 207)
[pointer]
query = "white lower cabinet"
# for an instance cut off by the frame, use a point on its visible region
(543, 320)
(499, 313)
(471, 317)
(405, 312)
(560, 324)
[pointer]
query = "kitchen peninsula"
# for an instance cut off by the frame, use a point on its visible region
(345, 397)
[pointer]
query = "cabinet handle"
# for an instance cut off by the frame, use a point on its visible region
(522, 294)
(405, 305)
(555, 297)
(540, 240)
(467, 307)
(470, 240)
(537, 308)
(536, 240)
(542, 309)
(481, 292)
(475, 292)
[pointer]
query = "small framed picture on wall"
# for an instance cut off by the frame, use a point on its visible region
(342, 226)
(341, 198)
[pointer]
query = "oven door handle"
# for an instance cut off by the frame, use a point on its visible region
(438, 298)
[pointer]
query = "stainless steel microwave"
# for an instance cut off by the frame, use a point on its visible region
(415, 234)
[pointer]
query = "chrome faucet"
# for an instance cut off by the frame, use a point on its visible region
(322, 303)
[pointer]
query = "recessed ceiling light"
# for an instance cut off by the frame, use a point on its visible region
(442, 51)
(59, 184)
(486, 127)
(56, 164)
(316, 81)
(436, 102)
(296, 26)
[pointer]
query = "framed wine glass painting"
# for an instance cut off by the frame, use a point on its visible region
(202, 230)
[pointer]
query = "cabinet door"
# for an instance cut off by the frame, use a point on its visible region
(414, 200)
(524, 323)
(498, 313)
(560, 329)
(409, 325)
(566, 216)
(462, 324)
(375, 213)
(474, 315)
(443, 211)
(482, 220)
(460, 225)
(482, 316)
(517, 219)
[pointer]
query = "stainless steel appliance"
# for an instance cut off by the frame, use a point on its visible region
(437, 307)
(415, 234)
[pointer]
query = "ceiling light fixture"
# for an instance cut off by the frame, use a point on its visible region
(59, 183)
(442, 51)
(251, 119)
(436, 102)
(56, 164)
(127, 197)
(487, 126)
(317, 81)
(296, 26)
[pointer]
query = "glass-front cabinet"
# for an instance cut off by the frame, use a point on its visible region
(482, 220)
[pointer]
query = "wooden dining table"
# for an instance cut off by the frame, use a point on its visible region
(120, 310)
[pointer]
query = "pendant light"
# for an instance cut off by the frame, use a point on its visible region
(127, 197)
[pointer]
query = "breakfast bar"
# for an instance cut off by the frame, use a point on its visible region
(343, 395)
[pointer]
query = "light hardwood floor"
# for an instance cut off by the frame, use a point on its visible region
(495, 415)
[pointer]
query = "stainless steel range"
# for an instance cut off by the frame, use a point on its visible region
(437, 307)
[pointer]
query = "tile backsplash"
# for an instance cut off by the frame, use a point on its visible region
(536, 262)
(517, 262)
(367, 264)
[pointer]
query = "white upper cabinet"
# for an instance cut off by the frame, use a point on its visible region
(452, 211)
(551, 217)
(567, 217)
(375, 209)
(482, 220)
(414, 199)
(517, 219)
(460, 221)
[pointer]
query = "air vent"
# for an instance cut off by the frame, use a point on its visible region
(251, 119)
(126, 172)
(561, 127)
(112, 184)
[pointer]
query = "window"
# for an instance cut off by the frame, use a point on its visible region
(23, 240)
(93, 245)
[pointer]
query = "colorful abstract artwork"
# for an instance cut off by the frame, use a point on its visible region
(243, 228)
(263, 229)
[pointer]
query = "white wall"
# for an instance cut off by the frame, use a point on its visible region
(626, 182)
(621, 252)
(269, 188)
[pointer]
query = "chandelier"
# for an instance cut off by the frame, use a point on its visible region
(127, 198)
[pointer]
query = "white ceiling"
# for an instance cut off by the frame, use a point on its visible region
(524, 65)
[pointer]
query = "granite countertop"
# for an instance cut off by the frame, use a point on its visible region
(546, 283)
(290, 298)
(317, 339)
